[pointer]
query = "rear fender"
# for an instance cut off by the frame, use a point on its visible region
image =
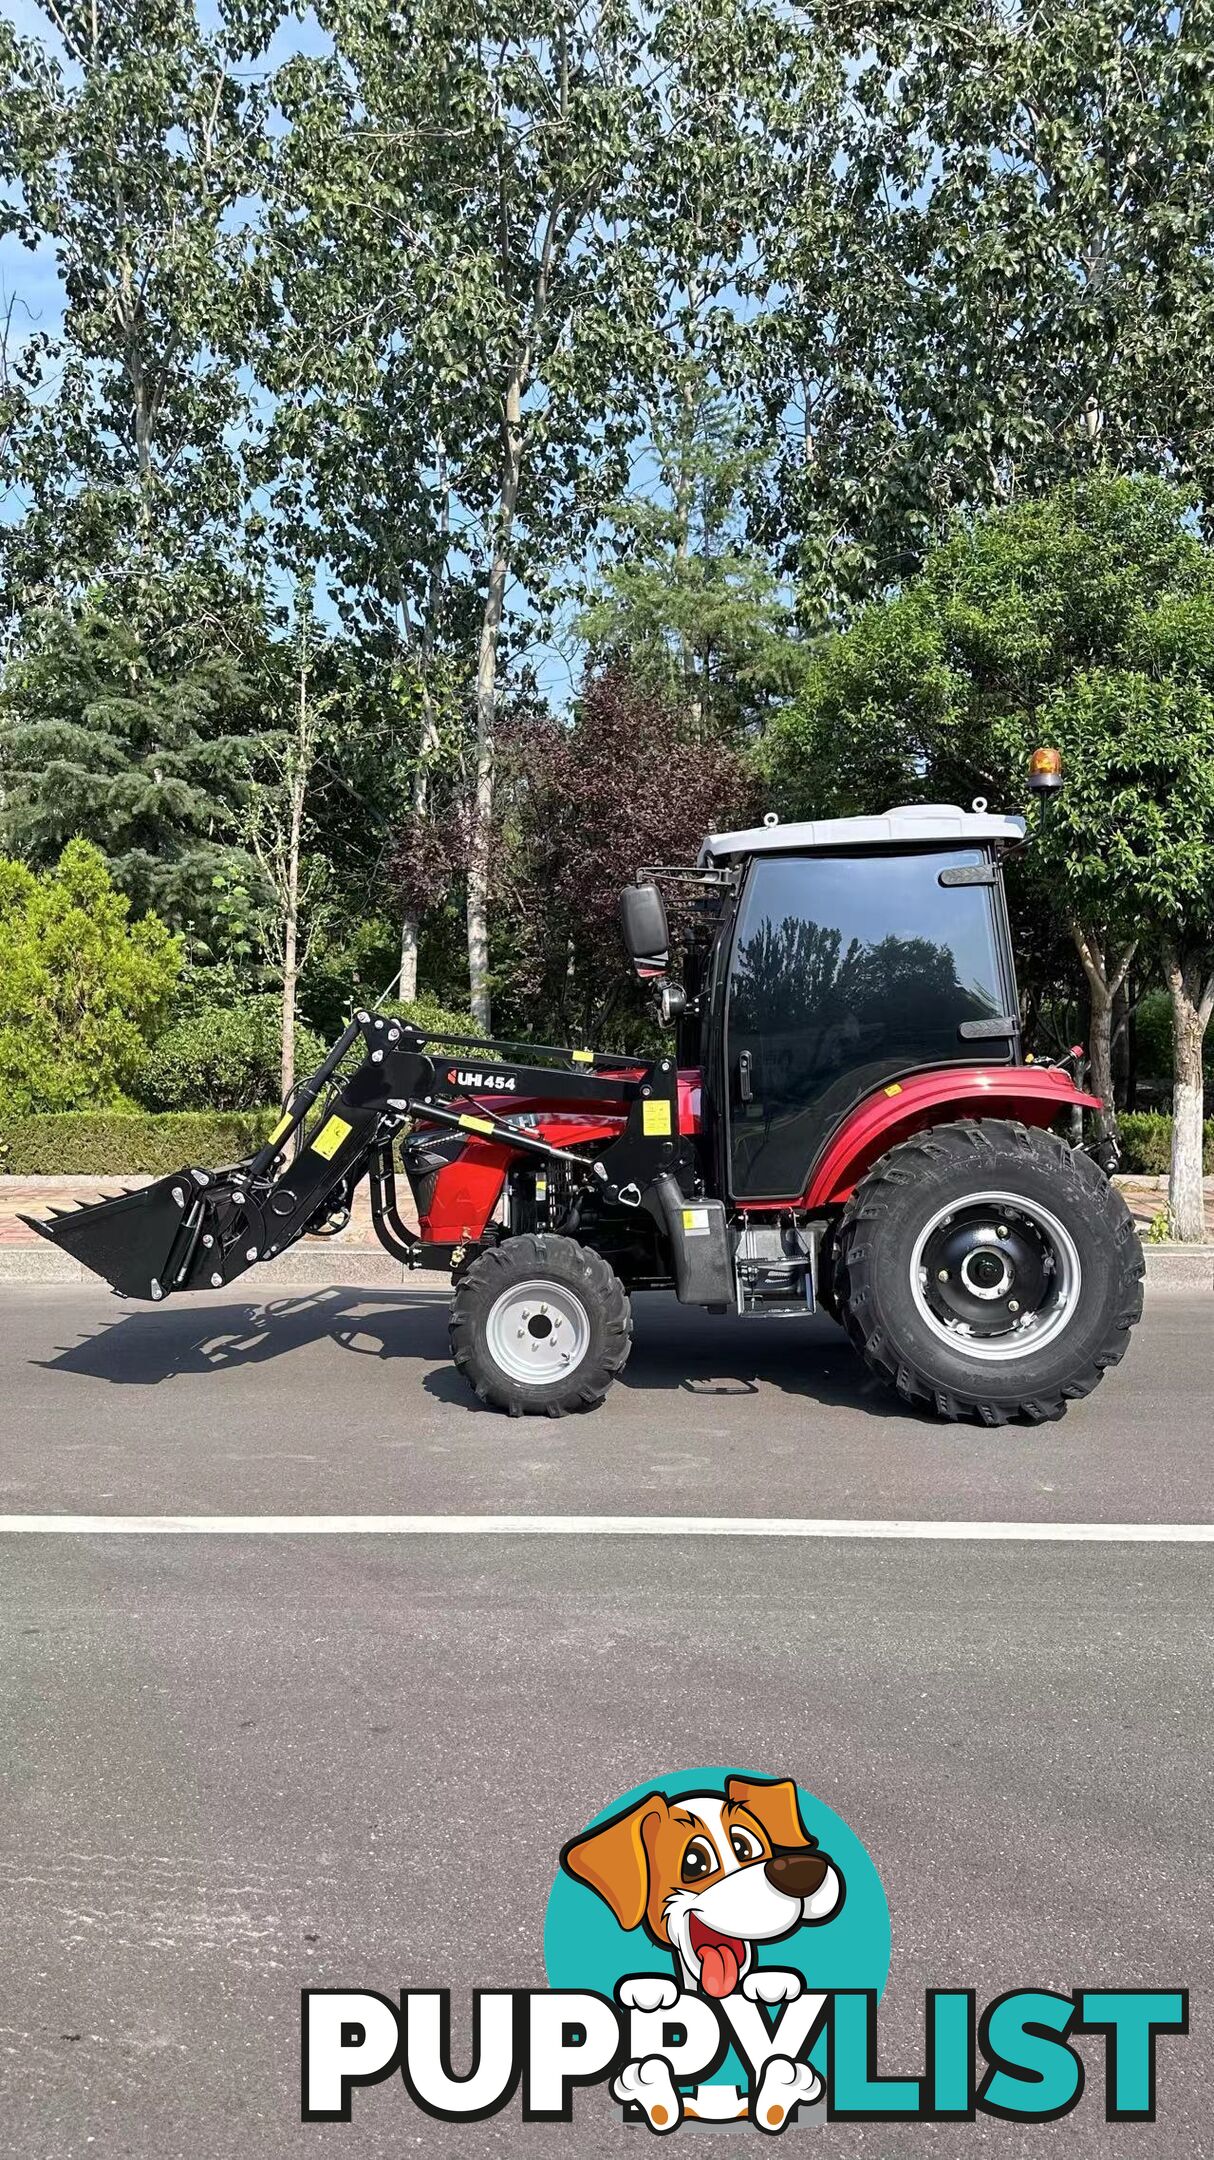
(1035, 1094)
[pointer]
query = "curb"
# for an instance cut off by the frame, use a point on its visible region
(301, 1270)
(1168, 1267)
(1179, 1267)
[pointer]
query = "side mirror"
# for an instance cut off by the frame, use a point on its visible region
(646, 933)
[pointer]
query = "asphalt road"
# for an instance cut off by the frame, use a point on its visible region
(344, 1402)
(230, 1767)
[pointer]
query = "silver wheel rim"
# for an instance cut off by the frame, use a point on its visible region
(970, 1260)
(538, 1332)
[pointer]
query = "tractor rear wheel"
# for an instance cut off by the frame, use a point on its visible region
(541, 1326)
(990, 1270)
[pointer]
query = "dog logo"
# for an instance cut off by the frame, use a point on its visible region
(722, 1874)
(710, 1876)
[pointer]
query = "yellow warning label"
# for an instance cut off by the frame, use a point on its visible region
(330, 1137)
(655, 1119)
(696, 1223)
(478, 1124)
(283, 1125)
(583, 1057)
(894, 1090)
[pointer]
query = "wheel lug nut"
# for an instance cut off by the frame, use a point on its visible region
(943, 1275)
(1002, 1230)
(1013, 1304)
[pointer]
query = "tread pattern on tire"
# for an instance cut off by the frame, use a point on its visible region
(582, 1269)
(972, 1142)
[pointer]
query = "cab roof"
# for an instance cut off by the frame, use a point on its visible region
(907, 825)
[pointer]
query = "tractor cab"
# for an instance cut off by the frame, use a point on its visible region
(847, 954)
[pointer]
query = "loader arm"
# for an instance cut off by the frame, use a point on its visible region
(201, 1229)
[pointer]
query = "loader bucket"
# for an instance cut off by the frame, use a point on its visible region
(140, 1243)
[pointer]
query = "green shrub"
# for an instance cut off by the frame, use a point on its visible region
(1146, 1143)
(102, 1143)
(223, 1057)
(81, 986)
(227, 1055)
(433, 1018)
(1153, 1032)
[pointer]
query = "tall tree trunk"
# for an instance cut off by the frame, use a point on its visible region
(422, 651)
(1120, 1046)
(410, 921)
(1100, 1043)
(1192, 1003)
(1105, 971)
(290, 919)
(406, 989)
(481, 823)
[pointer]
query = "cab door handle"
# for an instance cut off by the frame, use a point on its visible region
(745, 1084)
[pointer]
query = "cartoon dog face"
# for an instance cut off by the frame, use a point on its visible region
(710, 1874)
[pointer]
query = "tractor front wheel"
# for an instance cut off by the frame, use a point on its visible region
(541, 1326)
(989, 1270)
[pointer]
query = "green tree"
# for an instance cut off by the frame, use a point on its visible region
(139, 739)
(82, 987)
(132, 146)
(478, 214)
(1009, 285)
(444, 173)
(280, 826)
(942, 690)
(571, 835)
(687, 605)
(1131, 839)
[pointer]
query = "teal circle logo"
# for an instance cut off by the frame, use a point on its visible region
(758, 1843)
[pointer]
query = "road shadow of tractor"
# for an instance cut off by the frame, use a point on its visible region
(144, 1347)
(675, 1349)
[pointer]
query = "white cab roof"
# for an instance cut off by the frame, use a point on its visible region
(909, 825)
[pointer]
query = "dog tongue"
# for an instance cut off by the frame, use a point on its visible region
(719, 1968)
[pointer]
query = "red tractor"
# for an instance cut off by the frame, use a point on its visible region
(848, 1123)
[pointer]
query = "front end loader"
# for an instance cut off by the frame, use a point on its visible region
(845, 1119)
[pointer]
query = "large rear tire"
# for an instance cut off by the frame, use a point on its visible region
(541, 1326)
(989, 1270)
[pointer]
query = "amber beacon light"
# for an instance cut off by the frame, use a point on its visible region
(1045, 771)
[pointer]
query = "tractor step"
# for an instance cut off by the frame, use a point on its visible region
(783, 1293)
(774, 1272)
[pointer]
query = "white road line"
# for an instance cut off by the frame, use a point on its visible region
(643, 1526)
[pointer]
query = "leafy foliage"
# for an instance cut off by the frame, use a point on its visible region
(133, 147)
(138, 738)
(685, 603)
(585, 805)
(1008, 285)
(1146, 1143)
(943, 688)
(224, 1056)
(107, 1143)
(81, 986)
